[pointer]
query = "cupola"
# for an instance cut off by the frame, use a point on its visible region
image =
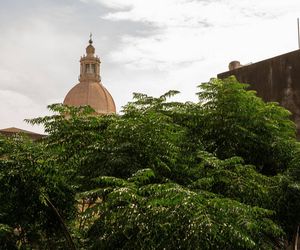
(90, 90)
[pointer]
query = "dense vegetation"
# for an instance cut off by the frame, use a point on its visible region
(222, 173)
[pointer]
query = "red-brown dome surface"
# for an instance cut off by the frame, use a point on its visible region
(93, 94)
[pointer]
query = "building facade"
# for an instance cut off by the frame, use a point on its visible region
(276, 79)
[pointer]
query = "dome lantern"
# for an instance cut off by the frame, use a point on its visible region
(90, 50)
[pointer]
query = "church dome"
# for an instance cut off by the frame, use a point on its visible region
(89, 90)
(92, 94)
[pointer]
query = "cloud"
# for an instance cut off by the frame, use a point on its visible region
(145, 46)
(195, 40)
(189, 29)
(10, 108)
(115, 4)
(167, 13)
(161, 51)
(192, 13)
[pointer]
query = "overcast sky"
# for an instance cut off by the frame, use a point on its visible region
(148, 46)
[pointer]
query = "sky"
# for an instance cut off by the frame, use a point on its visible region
(146, 46)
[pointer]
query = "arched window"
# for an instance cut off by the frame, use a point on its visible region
(90, 68)
(93, 68)
(87, 68)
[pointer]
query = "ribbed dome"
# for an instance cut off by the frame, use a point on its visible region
(93, 94)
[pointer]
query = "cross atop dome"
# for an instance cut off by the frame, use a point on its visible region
(90, 50)
(91, 41)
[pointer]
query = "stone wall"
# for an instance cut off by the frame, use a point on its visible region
(275, 79)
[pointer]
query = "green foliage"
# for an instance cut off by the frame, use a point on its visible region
(7, 237)
(236, 122)
(91, 146)
(26, 175)
(219, 174)
(232, 178)
(139, 215)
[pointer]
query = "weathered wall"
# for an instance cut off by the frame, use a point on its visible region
(275, 79)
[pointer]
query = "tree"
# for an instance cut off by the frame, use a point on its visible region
(110, 144)
(29, 183)
(221, 173)
(138, 213)
(236, 122)
(236, 133)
